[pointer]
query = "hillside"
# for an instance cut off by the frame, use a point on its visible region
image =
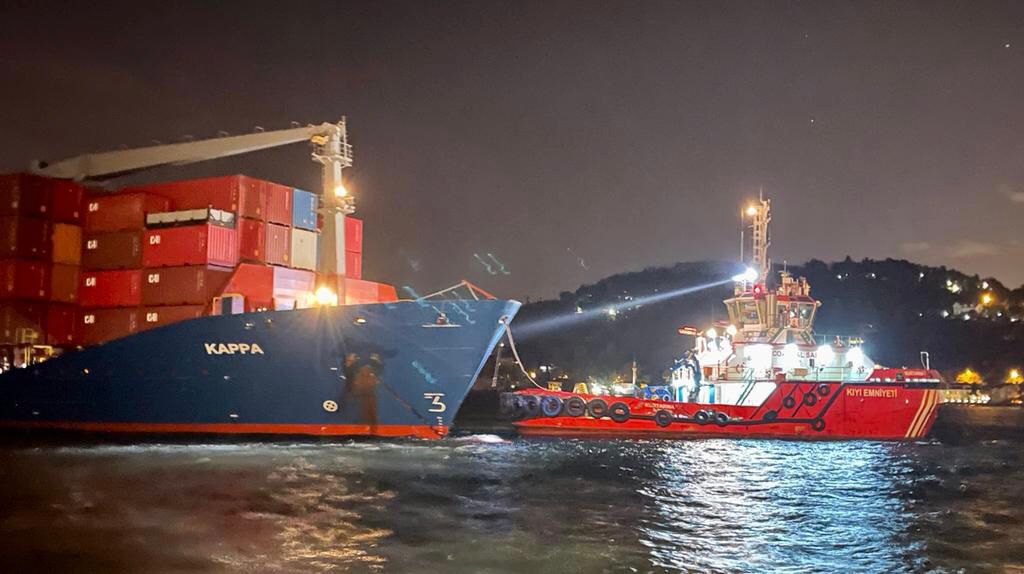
(899, 307)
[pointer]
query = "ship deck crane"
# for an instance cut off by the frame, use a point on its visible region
(330, 149)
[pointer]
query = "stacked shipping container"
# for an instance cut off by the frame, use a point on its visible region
(40, 253)
(61, 284)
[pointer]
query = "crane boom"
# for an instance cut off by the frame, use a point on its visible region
(330, 149)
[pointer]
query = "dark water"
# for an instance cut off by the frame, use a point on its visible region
(516, 506)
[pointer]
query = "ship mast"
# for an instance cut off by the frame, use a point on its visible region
(760, 215)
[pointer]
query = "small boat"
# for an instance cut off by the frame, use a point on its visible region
(764, 373)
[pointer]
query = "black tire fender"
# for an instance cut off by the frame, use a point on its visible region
(575, 407)
(619, 412)
(789, 402)
(663, 418)
(701, 417)
(770, 415)
(818, 425)
(532, 403)
(810, 399)
(550, 406)
(721, 419)
(597, 408)
(824, 389)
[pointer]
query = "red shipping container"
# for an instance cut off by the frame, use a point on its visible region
(117, 250)
(101, 325)
(190, 285)
(254, 282)
(252, 240)
(120, 288)
(358, 292)
(24, 194)
(24, 238)
(120, 211)
(279, 203)
(386, 293)
(22, 279)
(353, 265)
(61, 325)
(64, 283)
(190, 245)
(353, 234)
(66, 201)
(239, 194)
(165, 315)
(278, 244)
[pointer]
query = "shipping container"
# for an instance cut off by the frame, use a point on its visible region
(22, 323)
(189, 285)
(121, 211)
(21, 279)
(239, 194)
(353, 234)
(64, 282)
(115, 288)
(61, 325)
(304, 206)
(190, 245)
(279, 203)
(101, 325)
(252, 240)
(117, 250)
(253, 281)
(303, 249)
(359, 292)
(292, 286)
(353, 265)
(386, 293)
(66, 244)
(191, 217)
(24, 194)
(158, 316)
(66, 201)
(278, 244)
(24, 238)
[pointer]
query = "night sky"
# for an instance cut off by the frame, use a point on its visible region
(569, 140)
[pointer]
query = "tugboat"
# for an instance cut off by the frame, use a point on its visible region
(764, 373)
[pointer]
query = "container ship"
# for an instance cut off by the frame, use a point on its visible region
(224, 305)
(764, 373)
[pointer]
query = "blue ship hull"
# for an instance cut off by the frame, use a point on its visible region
(387, 369)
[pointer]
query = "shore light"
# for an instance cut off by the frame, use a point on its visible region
(986, 299)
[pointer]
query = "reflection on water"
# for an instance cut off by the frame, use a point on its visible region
(519, 506)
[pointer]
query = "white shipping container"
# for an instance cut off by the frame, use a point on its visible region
(303, 254)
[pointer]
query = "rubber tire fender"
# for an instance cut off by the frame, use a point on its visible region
(789, 402)
(532, 406)
(663, 418)
(597, 408)
(818, 424)
(518, 407)
(575, 407)
(810, 399)
(701, 417)
(721, 419)
(505, 408)
(770, 415)
(550, 406)
(824, 389)
(619, 412)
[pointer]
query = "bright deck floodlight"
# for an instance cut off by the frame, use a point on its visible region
(749, 275)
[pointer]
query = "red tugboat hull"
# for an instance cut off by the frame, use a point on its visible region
(796, 409)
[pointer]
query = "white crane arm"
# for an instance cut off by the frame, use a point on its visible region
(112, 163)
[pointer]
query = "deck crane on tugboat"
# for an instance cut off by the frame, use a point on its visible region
(763, 373)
